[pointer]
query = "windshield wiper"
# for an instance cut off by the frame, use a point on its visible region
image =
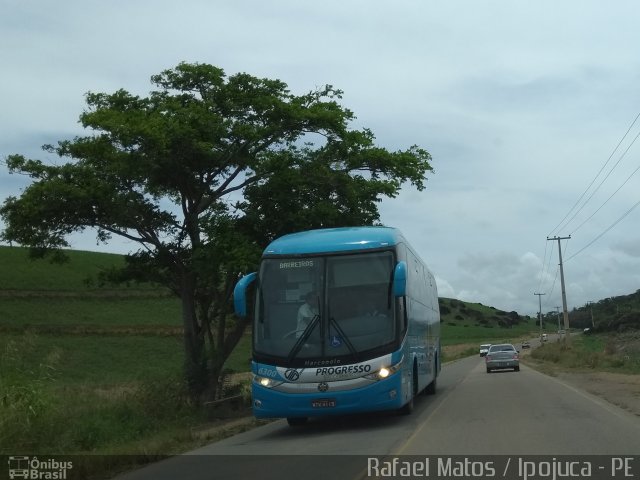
(303, 338)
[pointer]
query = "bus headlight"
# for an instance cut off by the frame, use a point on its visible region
(267, 382)
(384, 372)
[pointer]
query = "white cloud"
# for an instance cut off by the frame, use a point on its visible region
(629, 247)
(444, 288)
(520, 103)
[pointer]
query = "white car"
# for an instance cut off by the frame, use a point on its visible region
(484, 348)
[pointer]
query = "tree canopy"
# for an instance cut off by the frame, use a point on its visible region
(201, 173)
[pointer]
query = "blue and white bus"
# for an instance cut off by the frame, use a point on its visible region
(345, 320)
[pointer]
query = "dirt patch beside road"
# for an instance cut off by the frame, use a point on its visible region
(620, 389)
(594, 370)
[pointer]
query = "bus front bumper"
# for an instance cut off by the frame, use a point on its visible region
(387, 394)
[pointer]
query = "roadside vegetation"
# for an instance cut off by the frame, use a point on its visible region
(93, 369)
(610, 343)
(611, 314)
(88, 368)
(465, 326)
(617, 352)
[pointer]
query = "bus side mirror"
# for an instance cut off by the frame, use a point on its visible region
(400, 280)
(240, 294)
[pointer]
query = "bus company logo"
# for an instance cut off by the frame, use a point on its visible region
(323, 387)
(292, 374)
(32, 468)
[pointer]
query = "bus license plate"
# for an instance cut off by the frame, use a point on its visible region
(323, 403)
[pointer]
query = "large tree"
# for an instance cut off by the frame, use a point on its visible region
(337, 184)
(201, 173)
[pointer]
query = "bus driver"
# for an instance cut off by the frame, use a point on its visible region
(306, 312)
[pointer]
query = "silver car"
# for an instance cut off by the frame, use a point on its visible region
(500, 356)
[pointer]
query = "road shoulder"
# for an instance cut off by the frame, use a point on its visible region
(620, 389)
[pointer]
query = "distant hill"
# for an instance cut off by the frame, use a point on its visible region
(458, 313)
(68, 299)
(80, 274)
(20, 275)
(619, 314)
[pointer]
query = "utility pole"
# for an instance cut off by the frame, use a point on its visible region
(540, 313)
(565, 313)
(590, 303)
(558, 310)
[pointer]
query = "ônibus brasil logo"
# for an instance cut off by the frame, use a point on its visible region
(33, 468)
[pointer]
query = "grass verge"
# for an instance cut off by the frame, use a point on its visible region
(102, 395)
(606, 352)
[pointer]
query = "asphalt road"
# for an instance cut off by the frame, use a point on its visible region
(473, 413)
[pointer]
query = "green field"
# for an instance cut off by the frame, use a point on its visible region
(103, 311)
(18, 273)
(90, 369)
(474, 323)
(87, 369)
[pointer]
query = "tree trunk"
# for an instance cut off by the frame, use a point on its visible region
(195, 359)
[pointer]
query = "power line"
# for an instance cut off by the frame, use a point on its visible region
(548, 263)
(596, 177)
(553, 285)
(603, 180)
(607, 200)
(608, 228)
(542, 268)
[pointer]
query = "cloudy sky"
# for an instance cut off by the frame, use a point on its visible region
(521, 104)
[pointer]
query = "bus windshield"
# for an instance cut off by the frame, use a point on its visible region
(325, 307)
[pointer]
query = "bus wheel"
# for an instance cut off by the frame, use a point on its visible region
(408, 407)
(296, 421)
(431, 388)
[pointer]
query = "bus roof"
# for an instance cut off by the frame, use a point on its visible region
(334, 240)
